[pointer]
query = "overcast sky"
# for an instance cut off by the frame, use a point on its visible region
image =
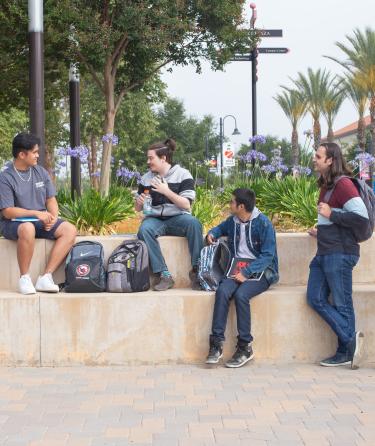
(310, 30)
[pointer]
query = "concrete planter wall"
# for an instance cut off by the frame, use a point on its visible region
(105, 329)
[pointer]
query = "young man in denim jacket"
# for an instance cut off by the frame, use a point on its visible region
(250, 236)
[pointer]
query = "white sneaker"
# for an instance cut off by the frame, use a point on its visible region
(25, 285)
(45, 283)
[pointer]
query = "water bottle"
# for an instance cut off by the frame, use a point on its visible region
(147, 204)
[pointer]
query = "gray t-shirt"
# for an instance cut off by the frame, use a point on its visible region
(30, 192)
(243, 251)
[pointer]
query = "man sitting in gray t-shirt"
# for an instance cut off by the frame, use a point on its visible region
(29, 210)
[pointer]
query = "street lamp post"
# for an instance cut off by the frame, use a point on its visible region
(235, 132)
(36, 74)
(75, 133)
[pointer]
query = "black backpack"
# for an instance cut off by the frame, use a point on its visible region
(84, 268)
(128, 270)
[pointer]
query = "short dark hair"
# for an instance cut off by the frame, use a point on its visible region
(165, 148)
(23, 142)
(245, 197)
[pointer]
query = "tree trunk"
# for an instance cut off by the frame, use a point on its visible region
(372, 124)
(330, 135)
(49, 162)
(361, 133)
(317, 133)
(94, 163)
(295, 148)
(109, 125)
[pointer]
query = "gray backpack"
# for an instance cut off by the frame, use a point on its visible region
(128, 270)
(368, 198)
(213, 265)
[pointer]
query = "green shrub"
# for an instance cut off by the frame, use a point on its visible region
(206, 207)
(295, 197)
(94, 214)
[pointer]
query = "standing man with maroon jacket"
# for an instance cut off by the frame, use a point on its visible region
(342, 216)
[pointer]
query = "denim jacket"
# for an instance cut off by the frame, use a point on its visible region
(261, 241)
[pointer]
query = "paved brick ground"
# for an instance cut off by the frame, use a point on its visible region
(259, 405)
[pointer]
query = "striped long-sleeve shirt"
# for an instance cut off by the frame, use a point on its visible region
(349, 217)
(179, 181)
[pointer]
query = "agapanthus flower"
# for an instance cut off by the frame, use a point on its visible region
(253, 155)
(110, 137)
(260, 139)
(302, 170)
(365, 158)
(126, 174)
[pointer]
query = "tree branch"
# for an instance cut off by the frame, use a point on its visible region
(91, 70)
(119, 53)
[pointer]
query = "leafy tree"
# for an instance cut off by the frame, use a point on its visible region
(189, 132)
(124, 43)
(12, 121)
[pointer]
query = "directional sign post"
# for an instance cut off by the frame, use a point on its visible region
(273, 50)
(252, 57)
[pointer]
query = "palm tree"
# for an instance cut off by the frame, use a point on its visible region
(331, 106)
(354, 91)
(313, 88)
(360, 61)
(294, 107)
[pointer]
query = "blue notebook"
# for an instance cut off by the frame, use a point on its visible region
(25, 219)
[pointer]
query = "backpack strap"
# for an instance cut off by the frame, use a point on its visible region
(328, 194)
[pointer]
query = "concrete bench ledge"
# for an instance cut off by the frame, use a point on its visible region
(117, 329)
(295, 251)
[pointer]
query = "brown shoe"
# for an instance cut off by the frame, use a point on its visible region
(195, 285)
(164, 284)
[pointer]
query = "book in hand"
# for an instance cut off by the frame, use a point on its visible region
(25, 219)
(236, 266)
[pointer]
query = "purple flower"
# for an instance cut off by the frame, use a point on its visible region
(200, 181)
(110, 137)
(96, 174)
(260, 139)
(127, 175)
(81, 152)
(268, 168)
(308, 133)
(253, 155)
(301, 170)
(366, 158)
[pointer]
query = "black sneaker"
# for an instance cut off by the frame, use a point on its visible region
(337, 360)
(242, 355)
(355, 348)
(164, 284)
(215, 353)
(193, 276)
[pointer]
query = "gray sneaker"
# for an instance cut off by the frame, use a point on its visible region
(164, 284)
(355, 348)
(242, 355)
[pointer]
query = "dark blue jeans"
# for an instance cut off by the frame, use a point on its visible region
(331, 274)
(183, 225)
(241, 293)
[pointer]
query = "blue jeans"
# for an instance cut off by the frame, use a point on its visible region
(332, 274)
(241, 293)
(183, 225)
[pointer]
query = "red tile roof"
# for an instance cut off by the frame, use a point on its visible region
(351, 128)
